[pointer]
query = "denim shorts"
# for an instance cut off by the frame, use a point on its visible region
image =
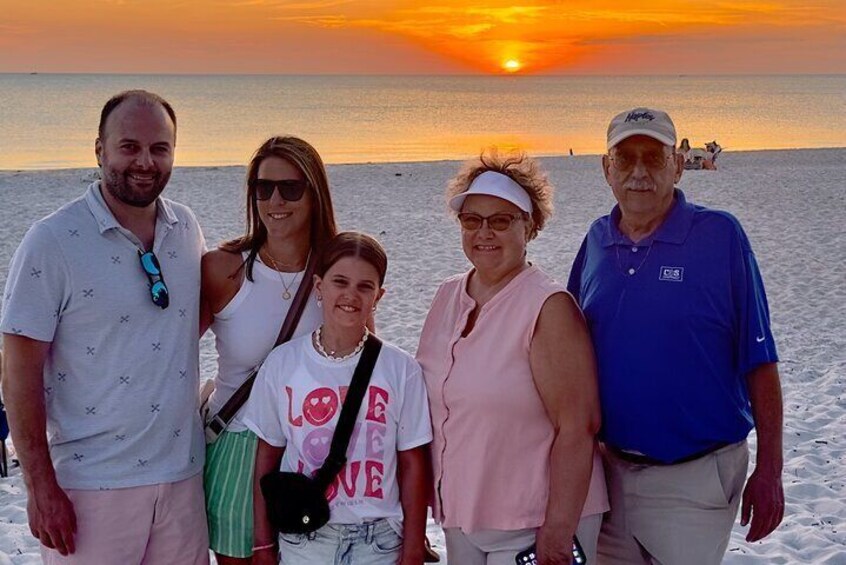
(371, 543)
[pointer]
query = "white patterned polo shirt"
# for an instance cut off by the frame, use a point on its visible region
(121, 377)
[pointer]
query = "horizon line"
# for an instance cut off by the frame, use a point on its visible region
(446, 74)
(540, 155)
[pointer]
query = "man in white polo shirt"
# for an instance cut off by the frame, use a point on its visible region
(99, 322)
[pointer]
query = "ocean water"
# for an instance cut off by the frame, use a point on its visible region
(49, 121)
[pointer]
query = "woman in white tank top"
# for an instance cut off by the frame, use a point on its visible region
(248, 285)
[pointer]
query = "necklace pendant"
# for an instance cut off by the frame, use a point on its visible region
(286, 295)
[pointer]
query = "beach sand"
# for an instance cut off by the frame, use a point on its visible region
(790, 203)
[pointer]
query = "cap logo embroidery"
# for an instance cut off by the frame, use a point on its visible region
(672, 274)
(637, 116)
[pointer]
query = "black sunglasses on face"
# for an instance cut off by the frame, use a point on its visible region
(497, 222)
(289, 189)
(158, 288)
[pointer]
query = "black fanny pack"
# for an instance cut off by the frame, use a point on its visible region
(296, 503)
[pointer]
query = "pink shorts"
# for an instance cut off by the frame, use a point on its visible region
(164, 523)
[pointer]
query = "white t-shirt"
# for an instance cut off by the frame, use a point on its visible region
(296, 402)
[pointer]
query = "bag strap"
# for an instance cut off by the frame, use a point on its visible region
(220, 420)
(337, 457)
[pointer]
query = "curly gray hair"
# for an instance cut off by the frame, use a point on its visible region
(522, 169)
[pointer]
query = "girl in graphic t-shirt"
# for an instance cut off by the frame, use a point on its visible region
(379, 497)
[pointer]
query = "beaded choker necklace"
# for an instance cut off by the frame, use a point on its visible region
(318, 343)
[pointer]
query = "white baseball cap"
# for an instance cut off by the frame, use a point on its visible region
(493, 183)
(642, 121)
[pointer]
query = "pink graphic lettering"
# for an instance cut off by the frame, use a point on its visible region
(332, 490)
(316, 446)
(376, 404)
(373, 473)
(348, 477)
(375, 437)
(320, 405)
(298, 421)
(353, 440)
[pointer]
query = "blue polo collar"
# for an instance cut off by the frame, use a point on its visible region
(673, 229)
(106, 220)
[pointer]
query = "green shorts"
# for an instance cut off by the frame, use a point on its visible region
(228, 482)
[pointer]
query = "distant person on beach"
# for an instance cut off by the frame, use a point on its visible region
(510, 372)
(697, 159)
(713, 149)
(249, 284)
(687, 362)
(101, 358)
(378, 500)
(684, 149)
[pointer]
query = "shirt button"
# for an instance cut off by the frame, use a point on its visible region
(634, 249)
(631, 270)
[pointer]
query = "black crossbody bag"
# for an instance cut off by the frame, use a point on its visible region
(296, 503)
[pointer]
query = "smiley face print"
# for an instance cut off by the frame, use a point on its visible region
(320, 405)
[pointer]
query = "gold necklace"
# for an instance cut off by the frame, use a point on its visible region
(632, 270)
(286, 294)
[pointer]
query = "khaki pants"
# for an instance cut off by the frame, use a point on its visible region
(672, 514)
(500, 547)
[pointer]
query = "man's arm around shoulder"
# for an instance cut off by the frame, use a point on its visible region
(51, 516)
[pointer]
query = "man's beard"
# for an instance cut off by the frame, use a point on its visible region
(118, 185)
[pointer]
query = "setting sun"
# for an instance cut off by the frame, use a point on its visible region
(512, 65)
(536, 37)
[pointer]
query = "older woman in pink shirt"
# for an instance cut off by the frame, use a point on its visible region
(509, 369)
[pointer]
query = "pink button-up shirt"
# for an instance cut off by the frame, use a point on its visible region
(492, 437)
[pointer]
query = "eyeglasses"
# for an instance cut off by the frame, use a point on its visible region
(654, 161)
(158, 288)
(498, 222)
(289, 189)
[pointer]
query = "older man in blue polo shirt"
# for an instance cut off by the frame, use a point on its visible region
(687, 362)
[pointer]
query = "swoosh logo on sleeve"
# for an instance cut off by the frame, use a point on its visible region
(760, 339)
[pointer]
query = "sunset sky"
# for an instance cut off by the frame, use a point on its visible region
(423, 37)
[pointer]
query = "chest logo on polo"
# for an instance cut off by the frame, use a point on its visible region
(672, 274)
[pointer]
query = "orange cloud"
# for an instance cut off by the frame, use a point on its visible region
(594, 36)
(553, 35)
